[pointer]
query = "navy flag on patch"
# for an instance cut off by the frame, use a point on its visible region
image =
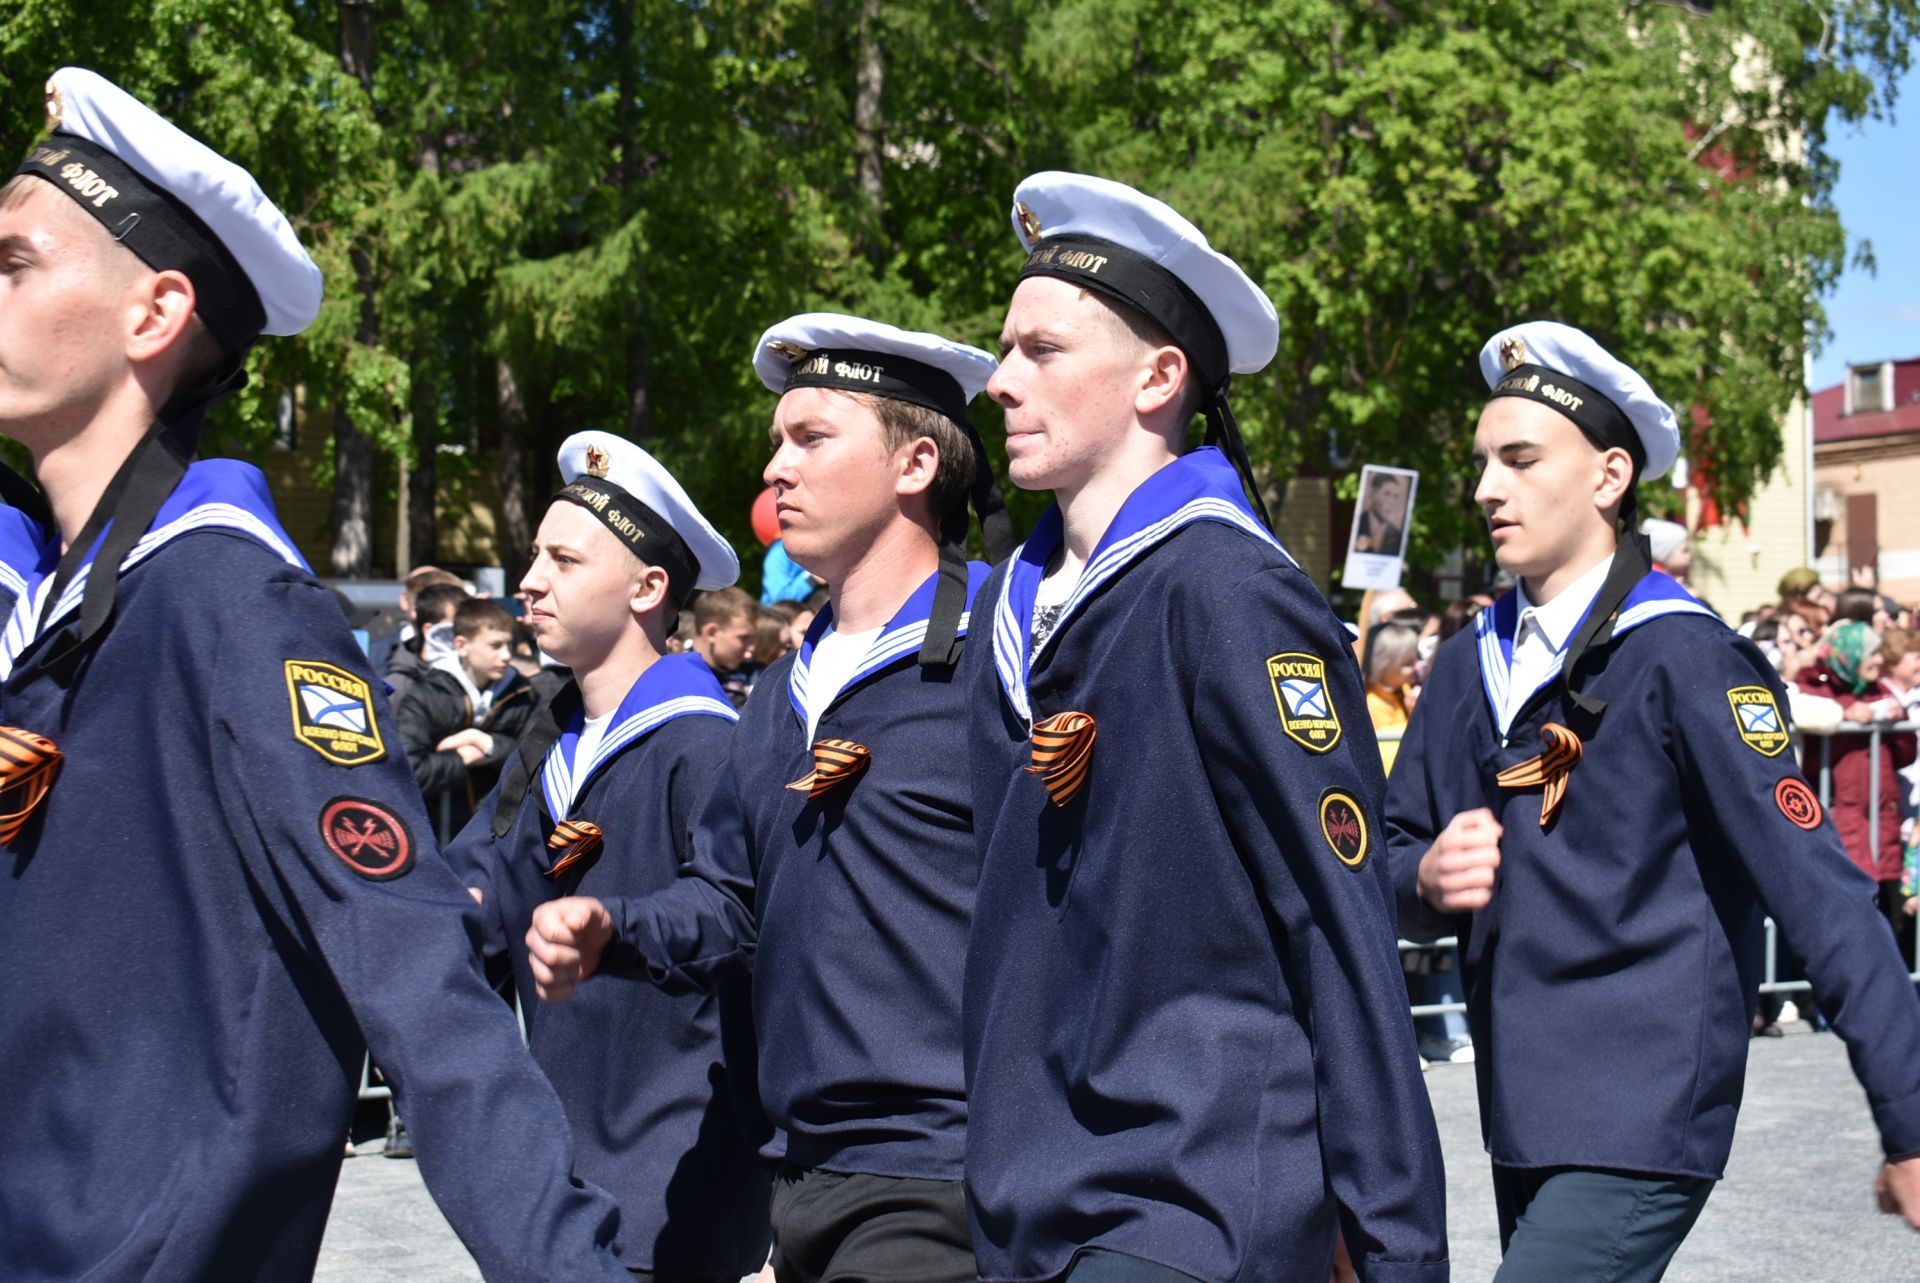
(1757, 717)
(1306, 706)
(333, 713)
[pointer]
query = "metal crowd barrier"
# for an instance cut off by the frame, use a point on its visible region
(1770, 982)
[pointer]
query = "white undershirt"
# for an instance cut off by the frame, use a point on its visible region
(1050, 598)
(836, 657)
(1542, 632)
(591, 734)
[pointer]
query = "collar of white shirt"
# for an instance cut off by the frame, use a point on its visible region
(1556, 620)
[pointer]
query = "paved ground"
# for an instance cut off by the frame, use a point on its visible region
(1797, 1205)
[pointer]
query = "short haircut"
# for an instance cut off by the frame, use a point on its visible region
(1897, 643)
(477, 615)
(721, 606)
(1856, 603)
(902, 423)
(1124, 322)
(769, 636)
(432, 604)
(427, 576)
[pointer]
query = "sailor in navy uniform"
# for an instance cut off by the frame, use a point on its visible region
(220, 886)
(836, 854)
(1188, 1046)
(1597, 795)
(598, 801)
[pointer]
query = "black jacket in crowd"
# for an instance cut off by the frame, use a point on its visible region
(434, 706)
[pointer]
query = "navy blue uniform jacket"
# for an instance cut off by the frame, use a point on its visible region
(1610, 981)
(228, 895)
(851, 906)
(1186, 1029)
(643, 1076)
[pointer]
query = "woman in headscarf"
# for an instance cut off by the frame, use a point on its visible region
(1850, 674)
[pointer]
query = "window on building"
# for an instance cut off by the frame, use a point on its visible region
(1868, 387)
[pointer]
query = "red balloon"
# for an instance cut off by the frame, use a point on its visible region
(766, 523)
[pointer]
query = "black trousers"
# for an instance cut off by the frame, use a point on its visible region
(1578, 1225)
(1097, 1265)
(849, 1227)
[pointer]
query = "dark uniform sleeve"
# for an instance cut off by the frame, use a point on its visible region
(434, 771)
(346, 850)
(1414, 812)
(1768, 819)
(475, 857)
(1308, 830)
(686, 936)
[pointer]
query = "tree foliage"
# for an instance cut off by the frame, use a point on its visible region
(536, 217)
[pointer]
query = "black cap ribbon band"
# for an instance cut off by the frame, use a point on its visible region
(640, 528)
(1603, 422)
(900, 378)
(155, 225)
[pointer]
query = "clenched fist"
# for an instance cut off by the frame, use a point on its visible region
(1458, 871)
(565, 943)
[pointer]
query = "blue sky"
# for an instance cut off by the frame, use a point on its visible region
(1877, 316)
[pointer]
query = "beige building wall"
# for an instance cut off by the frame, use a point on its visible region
(1304, 519)
(1889, 468)
(1737, 566)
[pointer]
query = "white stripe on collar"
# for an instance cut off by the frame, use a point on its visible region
(1011, 635)
(885, 650)
(563, 785)
(21, 631)
(1494, 671)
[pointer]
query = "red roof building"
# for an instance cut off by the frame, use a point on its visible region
(1866, 475)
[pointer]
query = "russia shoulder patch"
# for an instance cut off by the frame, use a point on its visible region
(368, 837)
(333, 713)
(1306, 706)
(1757, 717)
(1344, 825)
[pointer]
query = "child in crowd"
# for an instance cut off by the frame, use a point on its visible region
(461, 718)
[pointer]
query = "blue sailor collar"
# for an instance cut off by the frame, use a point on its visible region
(223, 494)
(901, 637)
(1198, 486)
(1655, 595)
(22, 544)
(673, 686)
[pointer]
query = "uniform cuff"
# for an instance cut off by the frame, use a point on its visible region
(1375, 1270)
(1899, 1124)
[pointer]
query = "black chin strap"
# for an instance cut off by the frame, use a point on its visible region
(942, 645)
(125, 513)
(1632, 562)
(540, 737)
(1223, 431)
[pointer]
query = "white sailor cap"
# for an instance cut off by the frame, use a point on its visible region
(1109, 238)
(1565, 369)
(179, 205)
(1663, 537)
(853, 354)
(641, 503)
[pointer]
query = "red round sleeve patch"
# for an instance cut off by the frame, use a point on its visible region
(1797, 802)
(368, 837)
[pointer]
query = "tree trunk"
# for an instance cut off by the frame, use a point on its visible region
(352, 509)
(638, 355)
(868, 127)
(516, 519)
(352, 552)
(417, 496)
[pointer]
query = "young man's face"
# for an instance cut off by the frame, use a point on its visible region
(728, 644)
(486, 655)
(1539, 478)
(65, 310)
(579, 589)
(1068, 378)
(835, 482)
(1385, 498)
